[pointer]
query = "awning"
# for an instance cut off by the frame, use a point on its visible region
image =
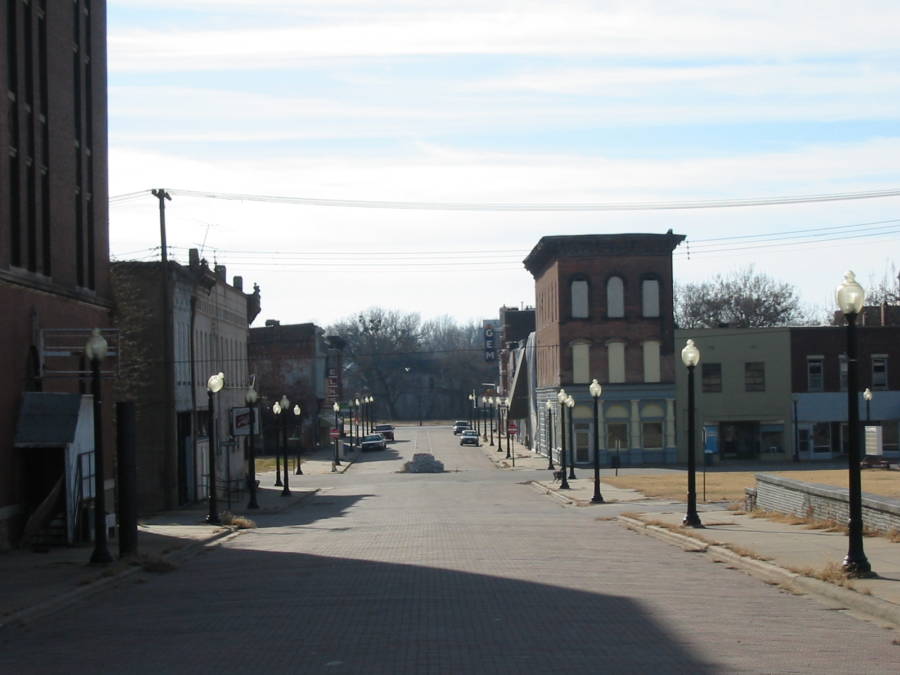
(47, 420)
(518, 400)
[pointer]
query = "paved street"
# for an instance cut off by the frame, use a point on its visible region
(463, 572)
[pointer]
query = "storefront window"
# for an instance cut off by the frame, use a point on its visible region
(821, 437)
(652, 435)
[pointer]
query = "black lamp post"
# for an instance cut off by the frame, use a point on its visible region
(570, 403)
(280, 408)
(690, 356)
(250, 397)
(357, 420)
(850, 299)
(484, 400)
(503, 423)
(550, 466)
(213, 386)
(95, 350)
(867, 395)
(337, 436)
(297, 411)
(596, 390)
(490, 419)
(562, 397)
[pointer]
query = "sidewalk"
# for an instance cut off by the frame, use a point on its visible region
(793, 556)
(33, 584)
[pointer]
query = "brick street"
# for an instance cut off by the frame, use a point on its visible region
(469, 571)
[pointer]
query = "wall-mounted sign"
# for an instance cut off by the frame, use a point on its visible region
(240, 422)
(490, 340)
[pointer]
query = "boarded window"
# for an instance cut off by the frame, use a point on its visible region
(652, 435)
(615, 297)
(581, 362)
(651, 361)
(754, 376)
(814, 373)
(712, 378)
(650, 297)
(579, 289)
(879, 372)
(616, 352)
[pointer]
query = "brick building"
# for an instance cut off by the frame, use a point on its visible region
(604, 310)
(53, 226)
(208, 324)
(301, 362)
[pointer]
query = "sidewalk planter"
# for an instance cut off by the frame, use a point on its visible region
(823, 502)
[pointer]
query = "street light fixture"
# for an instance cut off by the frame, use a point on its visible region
(562, 397)
(214, 385)
(297, 411)
(280, 408)
(95, 350)
(549, 406)
(850, 299)
(690, 356)
(484, 400)
(356, 402)
(867, 395)
(490, 419)
(337, 436)
(250, 398)
(596, 390)
(570, 403)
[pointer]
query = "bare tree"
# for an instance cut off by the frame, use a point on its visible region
(743, 299)
(886, 290)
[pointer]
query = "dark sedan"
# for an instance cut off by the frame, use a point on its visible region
(373, 442)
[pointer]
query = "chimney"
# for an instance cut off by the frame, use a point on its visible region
(220, 273)
(272, 322)
(193, 258)
(239, 283)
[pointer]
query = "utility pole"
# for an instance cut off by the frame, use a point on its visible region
(169, 462)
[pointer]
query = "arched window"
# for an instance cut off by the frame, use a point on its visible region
(650, 297)
(580, 294)
(615, 298)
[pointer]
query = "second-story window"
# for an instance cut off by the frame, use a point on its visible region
(581, 362)
(651, 361)
(815, 380)
(615, 298)
(879, 371)
(579, 292)
(650, 297)
(616, 353)
(842, 367)
(754, 376)
(712, 377)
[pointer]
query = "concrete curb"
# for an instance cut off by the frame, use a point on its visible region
(864, 604)
(189, 550)
(544, 489)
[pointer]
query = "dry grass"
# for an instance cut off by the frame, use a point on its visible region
(832, 573)
(239, 522)
(264, 464)
(893, 536)
(729, 485)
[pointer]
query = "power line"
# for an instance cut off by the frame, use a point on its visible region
(524, 206)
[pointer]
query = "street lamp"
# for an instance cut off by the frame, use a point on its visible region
(337, 436)
(596, 390)
(297, 411)
(490, 420)
(549, 406)
(484, 400)
(357, 420)
(850, 299)
(570, 403)
(690, 356)
(562, 397)
(214, 385)
(867, 394)
(501, 427)
(95, 350)
(250, 397)
(280, 408)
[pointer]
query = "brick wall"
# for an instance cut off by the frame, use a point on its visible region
(823, 502)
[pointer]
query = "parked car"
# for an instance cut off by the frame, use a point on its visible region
(373, 442)
(385, 430)
(459, 425)
(469, 437)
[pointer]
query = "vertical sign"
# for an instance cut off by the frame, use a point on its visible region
(490, 340)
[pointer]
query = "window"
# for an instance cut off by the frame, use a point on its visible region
(821, 437)
(650, 297)
(754, 376)
(772, 438)
(712, 377)
(579, 293)
(651, 361)
(879, 371)
(615, 298)
(617, 435)
(814, 379)
(616, 354)
(889, 436)
(581, 362)
(842, 367)
(652, 435)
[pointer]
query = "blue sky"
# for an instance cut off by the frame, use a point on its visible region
(498, 101)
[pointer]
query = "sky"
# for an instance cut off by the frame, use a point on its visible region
(512, 102)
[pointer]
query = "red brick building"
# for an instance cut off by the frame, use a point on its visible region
(604, 310)
(53, 220)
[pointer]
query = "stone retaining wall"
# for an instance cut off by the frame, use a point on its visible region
(823, 502)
